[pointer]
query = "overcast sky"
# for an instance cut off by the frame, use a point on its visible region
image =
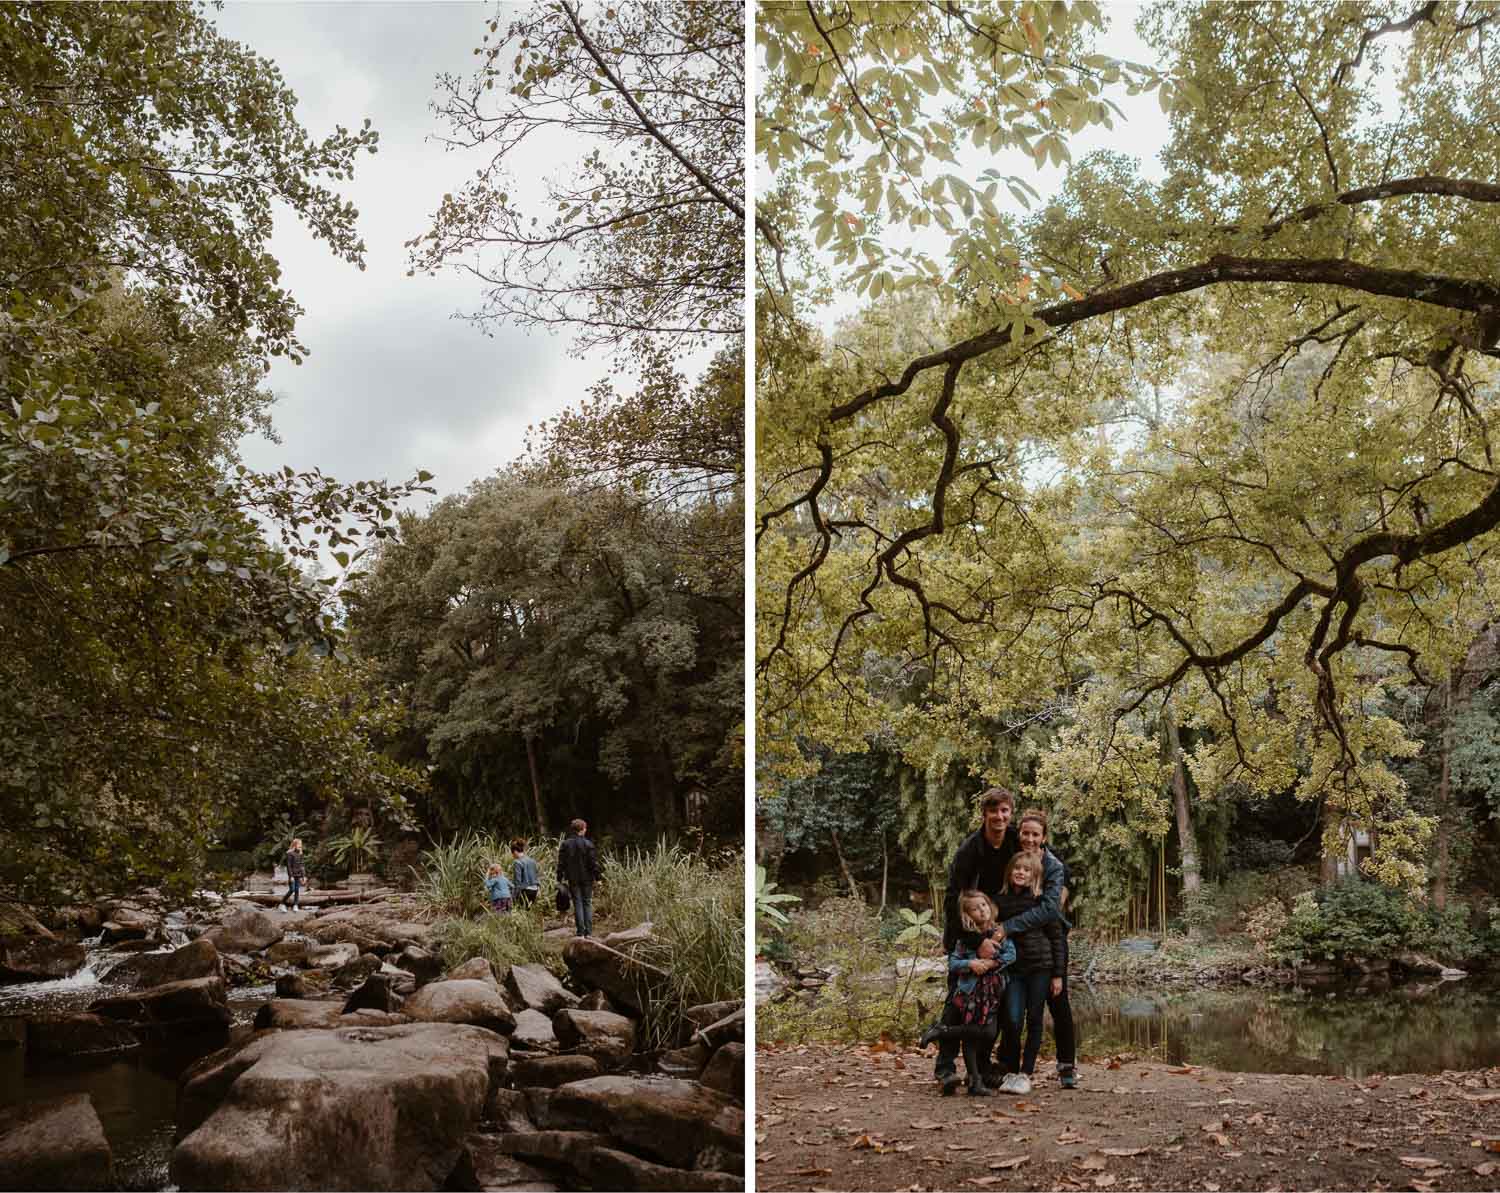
(393, 383)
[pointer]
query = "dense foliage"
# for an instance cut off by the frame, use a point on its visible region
(1200, 464)
(562, 654)
(156, 601)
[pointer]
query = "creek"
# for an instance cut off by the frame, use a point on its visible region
(1417, 1027)
(135, 1094)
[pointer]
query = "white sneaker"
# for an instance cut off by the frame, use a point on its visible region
(1008, 1084)
(1022, 1083)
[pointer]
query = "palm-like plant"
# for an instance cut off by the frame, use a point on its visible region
(358, 847)
(765, 904)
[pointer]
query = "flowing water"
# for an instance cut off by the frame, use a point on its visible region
(135, 1094)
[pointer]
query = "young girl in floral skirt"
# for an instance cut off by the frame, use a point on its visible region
(972, 1013)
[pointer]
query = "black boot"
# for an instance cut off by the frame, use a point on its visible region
(935, 1032)
(974, 1064)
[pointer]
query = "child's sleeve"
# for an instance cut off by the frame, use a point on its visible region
(958, 959)
(1007, 953)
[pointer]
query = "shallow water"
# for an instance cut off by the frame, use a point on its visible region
(135, 1095)
(1414, 1028)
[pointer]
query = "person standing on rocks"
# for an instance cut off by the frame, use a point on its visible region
(524, 874)
(578, 869)
(296, 871)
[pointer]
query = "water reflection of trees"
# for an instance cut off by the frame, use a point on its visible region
(1407, 1029)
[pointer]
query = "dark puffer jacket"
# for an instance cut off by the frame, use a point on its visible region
(1041, 950)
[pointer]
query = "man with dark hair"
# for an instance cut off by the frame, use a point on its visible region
(979, 864)
(578, 870)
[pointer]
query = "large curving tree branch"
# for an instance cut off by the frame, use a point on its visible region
(1475, 296)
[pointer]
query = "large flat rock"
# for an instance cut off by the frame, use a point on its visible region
(54, 1144)
(663, 1118)
(362, 1108)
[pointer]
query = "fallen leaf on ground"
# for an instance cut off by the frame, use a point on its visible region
(1123, 1151)
(1486, 1169)
(1009, 1162)
(960, 1147)
(1220, 1138)
(1255, 1119)
(1216, 1124)
(762, 1157)
(925, 1124)
(1093, 1162)
(812, 1172)
(1489, 1145)
(1359, 1145)
(1104, 1180)
(985, 1181)
(1185, 1071)
(1419, 1161)
(1069, 1137)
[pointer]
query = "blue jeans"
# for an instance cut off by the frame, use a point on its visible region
(583, 907)
(1025, 998)
(293, 892)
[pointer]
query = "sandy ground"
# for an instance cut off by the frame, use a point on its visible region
(840, 1117)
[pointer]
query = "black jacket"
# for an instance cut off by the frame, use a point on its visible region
(976, 866)
(577, 862)
(1041, 950)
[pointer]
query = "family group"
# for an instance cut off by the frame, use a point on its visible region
(577, 871)
(1006, 937)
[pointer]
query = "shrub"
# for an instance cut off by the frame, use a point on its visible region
(1446, 935)
(1221, 908)
(1264, 923)
(1349, 919)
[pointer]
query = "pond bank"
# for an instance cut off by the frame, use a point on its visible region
(870, 1118)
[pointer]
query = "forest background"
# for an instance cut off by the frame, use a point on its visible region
(199, 658)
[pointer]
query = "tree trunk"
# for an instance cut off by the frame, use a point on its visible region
(536, 785)
(843, 866)
(660, 781)
(1440, 864)
(885, 871)
(1329, 870)
(1187, 839)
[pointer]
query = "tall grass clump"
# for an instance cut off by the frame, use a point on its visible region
(697, 913)
(502, 940)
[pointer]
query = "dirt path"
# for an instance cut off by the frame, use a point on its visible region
(831, 1117)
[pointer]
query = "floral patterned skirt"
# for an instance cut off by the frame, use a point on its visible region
(981, 1005)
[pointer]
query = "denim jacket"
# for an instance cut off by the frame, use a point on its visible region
(964, 952)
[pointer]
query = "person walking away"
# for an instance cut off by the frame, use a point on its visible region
(578, 869)
(972, 1013)
(1033, 835)
(1041, 957)
(525, 876)
(296, 871)
(497, 887)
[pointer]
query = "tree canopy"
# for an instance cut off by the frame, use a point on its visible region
(1218, 439)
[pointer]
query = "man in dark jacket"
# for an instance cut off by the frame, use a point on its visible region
(578, 870)
(979, 864)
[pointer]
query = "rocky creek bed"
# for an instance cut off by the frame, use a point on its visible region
(235, 1048)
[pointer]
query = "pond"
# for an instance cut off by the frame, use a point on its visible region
(1413, 1028)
